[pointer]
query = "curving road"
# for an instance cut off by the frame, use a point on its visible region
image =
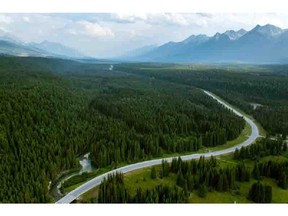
(97, 180)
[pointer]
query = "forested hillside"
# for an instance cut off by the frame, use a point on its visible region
(157, 119)
(52, 111)
(264, 87)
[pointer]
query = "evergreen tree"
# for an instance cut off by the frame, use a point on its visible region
(260, 193)
(202, 191)
(153, 174)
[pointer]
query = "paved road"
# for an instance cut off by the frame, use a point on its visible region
(97, 180)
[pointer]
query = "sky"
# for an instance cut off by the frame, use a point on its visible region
(109, 35)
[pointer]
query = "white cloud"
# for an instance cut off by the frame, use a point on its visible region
(4, 19)
(168, 19)
(26, 19)
(3, 30)
(176, 19)
(90, 29)
(127, 18)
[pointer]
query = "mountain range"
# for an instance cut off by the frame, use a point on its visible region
(10, 45)
(261, 45)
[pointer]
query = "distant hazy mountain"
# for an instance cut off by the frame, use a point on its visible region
(268, 30)
(6, 36)
(57, 49)
(17, 49)
(262, 44)
(10, 45)
(139, 51)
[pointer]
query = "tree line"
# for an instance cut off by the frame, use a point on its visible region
(261, 148)
(195, 176)
(277, 170)
(113, 190)
(192, 176)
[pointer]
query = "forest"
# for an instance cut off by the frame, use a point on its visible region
(261, 148)
(53, 111)
(241, 85)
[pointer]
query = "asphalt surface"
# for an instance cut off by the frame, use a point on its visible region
(97, 180)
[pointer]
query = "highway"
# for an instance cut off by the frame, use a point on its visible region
(97, 180)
